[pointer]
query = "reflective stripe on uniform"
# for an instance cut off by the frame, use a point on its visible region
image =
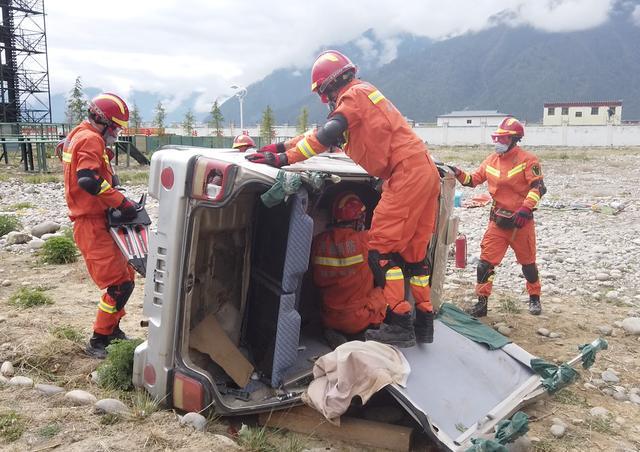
(339, 261)
(305, 148)
(394, 274)
(534, 196)
(104, 186)
(376, 97)
(66, 156)
(105, 307)
(467, 178)
(517, 169)
(493, 171)
(420, 281)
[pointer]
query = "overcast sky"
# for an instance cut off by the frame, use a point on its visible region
(179, 47)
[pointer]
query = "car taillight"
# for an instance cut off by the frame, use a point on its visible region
(167, 178)
(212, 179)
(149, 375)
(188, 393)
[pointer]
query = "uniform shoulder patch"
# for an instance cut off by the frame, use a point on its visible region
(535, 169)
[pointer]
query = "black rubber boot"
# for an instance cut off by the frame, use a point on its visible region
(118, 334)
(97, 346)
(334, 338)
(535, 308)
(397, 330)
(480, 308)
(423, 327)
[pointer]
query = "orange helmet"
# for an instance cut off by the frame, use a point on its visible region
(109, 110)
(348, 207)
(509, 126)
(329, 66)
(243, 140)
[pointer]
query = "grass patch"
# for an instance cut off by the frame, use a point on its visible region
(134, 177)
(143, 405)
(69, 333)
(27, 298)
(42, 179)
(544, 445)
(59, 250)
(21, 206)
(49, 359)
(509, 305)
(117, 369)
(12, 426)
(109, 419)
(568, 397)
(255, 439)
(49, 431)
(601, 424)
(8, 223)
(68, 233)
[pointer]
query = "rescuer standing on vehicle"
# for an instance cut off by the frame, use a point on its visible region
(516, 186)
(89, 192)
(376, 136)
(243, 142)
(350, 302)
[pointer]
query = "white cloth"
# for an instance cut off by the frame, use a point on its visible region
(354, 368)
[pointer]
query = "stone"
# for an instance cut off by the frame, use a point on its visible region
(631, 325)
(558, 430)
(111, 406)
(599, 411)
(557, 420)
(603, 276)
(6, 283)
(35, 243)
(7, 369)
(620, 420)
(95, 378)
(634, 391)
(605, 330)
(577, 421)
(522, 444)
(48, 227)
(543, 332)
(17, 238)
(589, 386)
(3, 380)
(615, 274)
(634, 398)
(195, 420)
(228, 444)
(554, 335)
(21, 381)
(504, 330)
(612, 295)
(608, 391)
(610, 377)
(49, 390)
(80, 397)
(620, 396)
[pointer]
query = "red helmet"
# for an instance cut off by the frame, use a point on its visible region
(243, 140)
(109, 110)
(348, 207)
(329, 65)
(509, 126)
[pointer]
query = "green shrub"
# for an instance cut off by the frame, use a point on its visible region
(59, 250)
(21, 205)
(8, 223)
(42, 178)
(12, 426)
(117, 369)
(28, 298)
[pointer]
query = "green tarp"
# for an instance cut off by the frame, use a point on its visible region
(287, 183)
(507, 431)
(554, 377)
(470, 327)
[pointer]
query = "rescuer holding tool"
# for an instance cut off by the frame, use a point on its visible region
(516, 185)
(376, 136)
(89, 192)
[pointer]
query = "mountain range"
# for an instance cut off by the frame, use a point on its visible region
(514, 70)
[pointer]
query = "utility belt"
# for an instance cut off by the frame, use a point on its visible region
(503, 218)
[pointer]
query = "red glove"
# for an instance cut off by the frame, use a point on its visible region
(269, 158)
(522, 216)
(274, 148)
(128, 209)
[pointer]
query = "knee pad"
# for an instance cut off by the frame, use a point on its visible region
(121, 293)
(484, 272)
(530, 272)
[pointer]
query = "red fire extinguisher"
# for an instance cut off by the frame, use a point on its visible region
(461, 251)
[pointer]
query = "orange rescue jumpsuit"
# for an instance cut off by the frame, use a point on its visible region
(514, 181)
(379, 139)
(350, 303)
(85, 148)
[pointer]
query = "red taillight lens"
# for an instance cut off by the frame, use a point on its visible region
(212, 179)
(188, 393)
(149, 375)
(167, 178)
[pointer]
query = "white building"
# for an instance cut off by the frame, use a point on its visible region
(471, 118)
(582, 113)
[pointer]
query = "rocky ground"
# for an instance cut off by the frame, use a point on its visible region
(589, 261)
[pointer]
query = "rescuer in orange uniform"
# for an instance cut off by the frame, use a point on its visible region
(376, 136)
(243, 142)
(350, 302)
(516, 185)
(89, 192)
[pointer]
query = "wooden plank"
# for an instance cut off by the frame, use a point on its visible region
(360, 431)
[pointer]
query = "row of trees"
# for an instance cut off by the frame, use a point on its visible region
(77, 105)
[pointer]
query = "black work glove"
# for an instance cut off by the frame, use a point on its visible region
(128, 209)
(379, 273)
(269, 158)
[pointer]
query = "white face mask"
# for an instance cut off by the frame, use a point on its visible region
(111, 136)
(501, 148)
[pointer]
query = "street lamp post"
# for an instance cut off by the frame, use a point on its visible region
(240, 95)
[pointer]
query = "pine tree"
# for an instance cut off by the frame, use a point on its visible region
(303, 120)
(158, 121)
(135, 118)
(216, 120)
(188, 122)
(267, 128)
(76, 104)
